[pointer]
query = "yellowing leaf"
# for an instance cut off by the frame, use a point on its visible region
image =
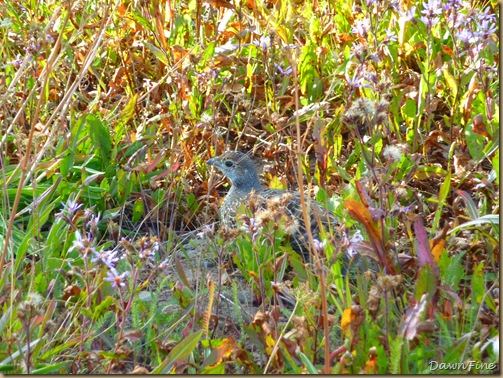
(352, 319)
(409, 49)
(447, 49)
(450, 81)
(429, 171)
(346, 319)
(270, 342)
(436, 249)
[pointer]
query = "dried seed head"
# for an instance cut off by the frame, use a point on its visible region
(286, 198)
(362, 108)
(253, 201)
(392, 153)
(273, 203)
(369, 275)
(400, 193)
(375, 295)
(388, 283)
(290, 225)
(32, 306)
(382, 106)
(262, 217)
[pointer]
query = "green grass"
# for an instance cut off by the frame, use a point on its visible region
(387, 115)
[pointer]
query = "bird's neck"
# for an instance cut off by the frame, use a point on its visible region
(246, 184)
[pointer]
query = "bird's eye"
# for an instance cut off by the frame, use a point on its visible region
(229, 163)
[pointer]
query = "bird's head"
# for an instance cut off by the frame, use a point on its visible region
(238, 168)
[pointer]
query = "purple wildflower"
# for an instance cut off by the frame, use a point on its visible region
(148, 251)
(352, 242)
(251, 226)
(93, 222)
(361, 27)
(452, 5)
(17, 62)
(319, 245)
(407, 15)
(115, 278)
(486, 29)
(264, 43)
(83, 244)
(432, 9)
(71, 207)
(285, 72)
(109, 258)
(405, 209)
(207, 230)
(486, 16)
(466, 36)
(164, 266)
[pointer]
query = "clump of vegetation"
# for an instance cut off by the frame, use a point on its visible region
(386, 112)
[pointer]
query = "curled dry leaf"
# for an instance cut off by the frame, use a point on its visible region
(352, 319)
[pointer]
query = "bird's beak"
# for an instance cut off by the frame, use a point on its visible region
(212, 161)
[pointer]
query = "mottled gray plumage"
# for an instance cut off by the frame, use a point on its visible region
(246, 188)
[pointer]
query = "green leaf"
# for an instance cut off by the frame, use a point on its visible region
(161, 55)
(80, 133)
(396, 354)
(444, 192)
(141, 20)
(475, 143)
(138, 209)
(40, 217)
(429, 171)
(470, 204)
(343, 173)
(490, 218)
(20, 352)
(50, 368)
(496, 166)
(191, 202)
(207, 54)
(423, 90)
(100, 137)
(315, 29)
(309, 80)
(66, 163)
(494, 138)
(5, 317)
(478, 284)
(426, 282)
(126, 114)
(102, 308)
(409, 109)
(125, 185)
(311, 369)
(455, 350)
(159, 196)
(181, 351)
(40, 282)
(215, 369)
(404, 167)
(451, 269)
(382, 360)
(185, 296)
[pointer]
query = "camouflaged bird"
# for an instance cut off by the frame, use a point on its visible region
(280, 206)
